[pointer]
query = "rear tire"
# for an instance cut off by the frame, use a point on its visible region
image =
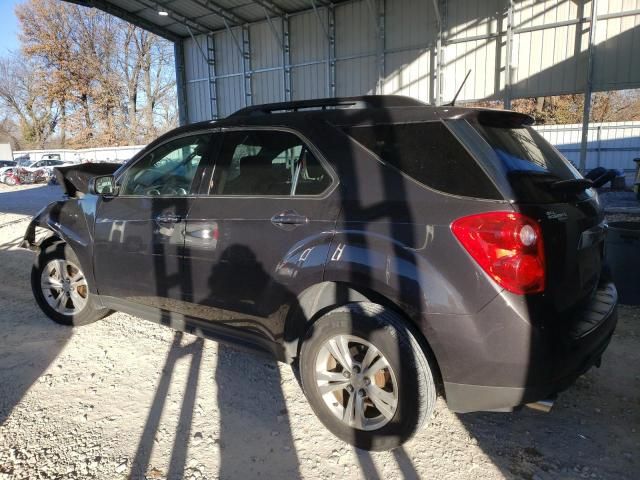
(60, 288)
(385, 394)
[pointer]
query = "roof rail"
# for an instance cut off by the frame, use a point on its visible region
(365, 101)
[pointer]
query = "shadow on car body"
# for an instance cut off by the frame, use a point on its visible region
(247, 432)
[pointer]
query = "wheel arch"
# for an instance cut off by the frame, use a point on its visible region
(66, 220)
(321, 298)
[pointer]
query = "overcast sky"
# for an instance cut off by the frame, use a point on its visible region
(8, 26)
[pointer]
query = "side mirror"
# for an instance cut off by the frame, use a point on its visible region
(104, 185)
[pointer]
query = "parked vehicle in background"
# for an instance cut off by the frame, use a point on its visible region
(23, 176)
(23, 160)
(50, 156)
(6, 167)
(4, 173)
(29, 172)
(11, 177)
(380, 245)
(46, 165)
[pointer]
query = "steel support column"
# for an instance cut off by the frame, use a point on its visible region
(213, 88)
(379, 19)
(588, 88)
(178, 50)
(439, 12)
(246, 65)
(508, 58)
(331, 18)
(286, 59)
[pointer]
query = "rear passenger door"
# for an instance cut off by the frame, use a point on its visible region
(261, 229)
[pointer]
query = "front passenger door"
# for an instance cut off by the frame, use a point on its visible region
(139, 233)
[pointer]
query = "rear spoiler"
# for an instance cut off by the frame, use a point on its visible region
(504, 119)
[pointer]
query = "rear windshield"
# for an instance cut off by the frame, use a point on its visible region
(530, 162)
(525, 150)
(429, 153)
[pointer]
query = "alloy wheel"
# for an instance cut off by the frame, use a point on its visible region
(356, 382)
(64, 287)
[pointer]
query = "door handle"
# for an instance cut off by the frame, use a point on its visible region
(289, 219)
(168, 218)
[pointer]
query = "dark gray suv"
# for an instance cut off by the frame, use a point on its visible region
(387, 249)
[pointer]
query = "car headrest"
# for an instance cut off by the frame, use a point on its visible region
(254, 163)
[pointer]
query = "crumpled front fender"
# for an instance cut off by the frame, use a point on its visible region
(46, 218)
(69, 220)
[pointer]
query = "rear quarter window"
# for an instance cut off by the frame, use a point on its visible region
(430, 154)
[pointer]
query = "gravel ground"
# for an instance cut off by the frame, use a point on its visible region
(125, 398)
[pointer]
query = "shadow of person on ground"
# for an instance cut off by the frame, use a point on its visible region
(29, 342)
(255, 432)
(141, 462)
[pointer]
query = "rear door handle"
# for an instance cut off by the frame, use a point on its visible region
(289, 219)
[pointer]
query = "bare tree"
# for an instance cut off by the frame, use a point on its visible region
(111, 82)
(21, 95)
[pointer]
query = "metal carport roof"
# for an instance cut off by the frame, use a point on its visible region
(192, 17)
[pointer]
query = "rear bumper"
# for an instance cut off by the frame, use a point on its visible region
(556, 357)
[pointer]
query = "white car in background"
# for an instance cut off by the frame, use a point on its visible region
(47, 165)
(3, 173)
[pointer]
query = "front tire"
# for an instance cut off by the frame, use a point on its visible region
(61, 289)
(366, 377)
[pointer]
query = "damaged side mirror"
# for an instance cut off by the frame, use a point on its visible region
(104, 185)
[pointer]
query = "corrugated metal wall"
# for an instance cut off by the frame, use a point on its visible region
(390, 46)
(610, 145)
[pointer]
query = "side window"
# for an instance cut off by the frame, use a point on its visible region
(429, 153)
(168, 170)
(269, 163)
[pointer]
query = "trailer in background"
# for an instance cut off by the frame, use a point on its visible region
(6, 152)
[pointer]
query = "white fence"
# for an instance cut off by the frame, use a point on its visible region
(106, 154)
(611, 145)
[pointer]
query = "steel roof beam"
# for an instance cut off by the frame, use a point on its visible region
(128, 16)
(272, 7)
(221, 11)
(190, 22)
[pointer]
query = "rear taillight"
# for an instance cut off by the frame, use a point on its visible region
(508, 246)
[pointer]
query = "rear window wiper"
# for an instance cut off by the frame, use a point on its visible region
(574, 185)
